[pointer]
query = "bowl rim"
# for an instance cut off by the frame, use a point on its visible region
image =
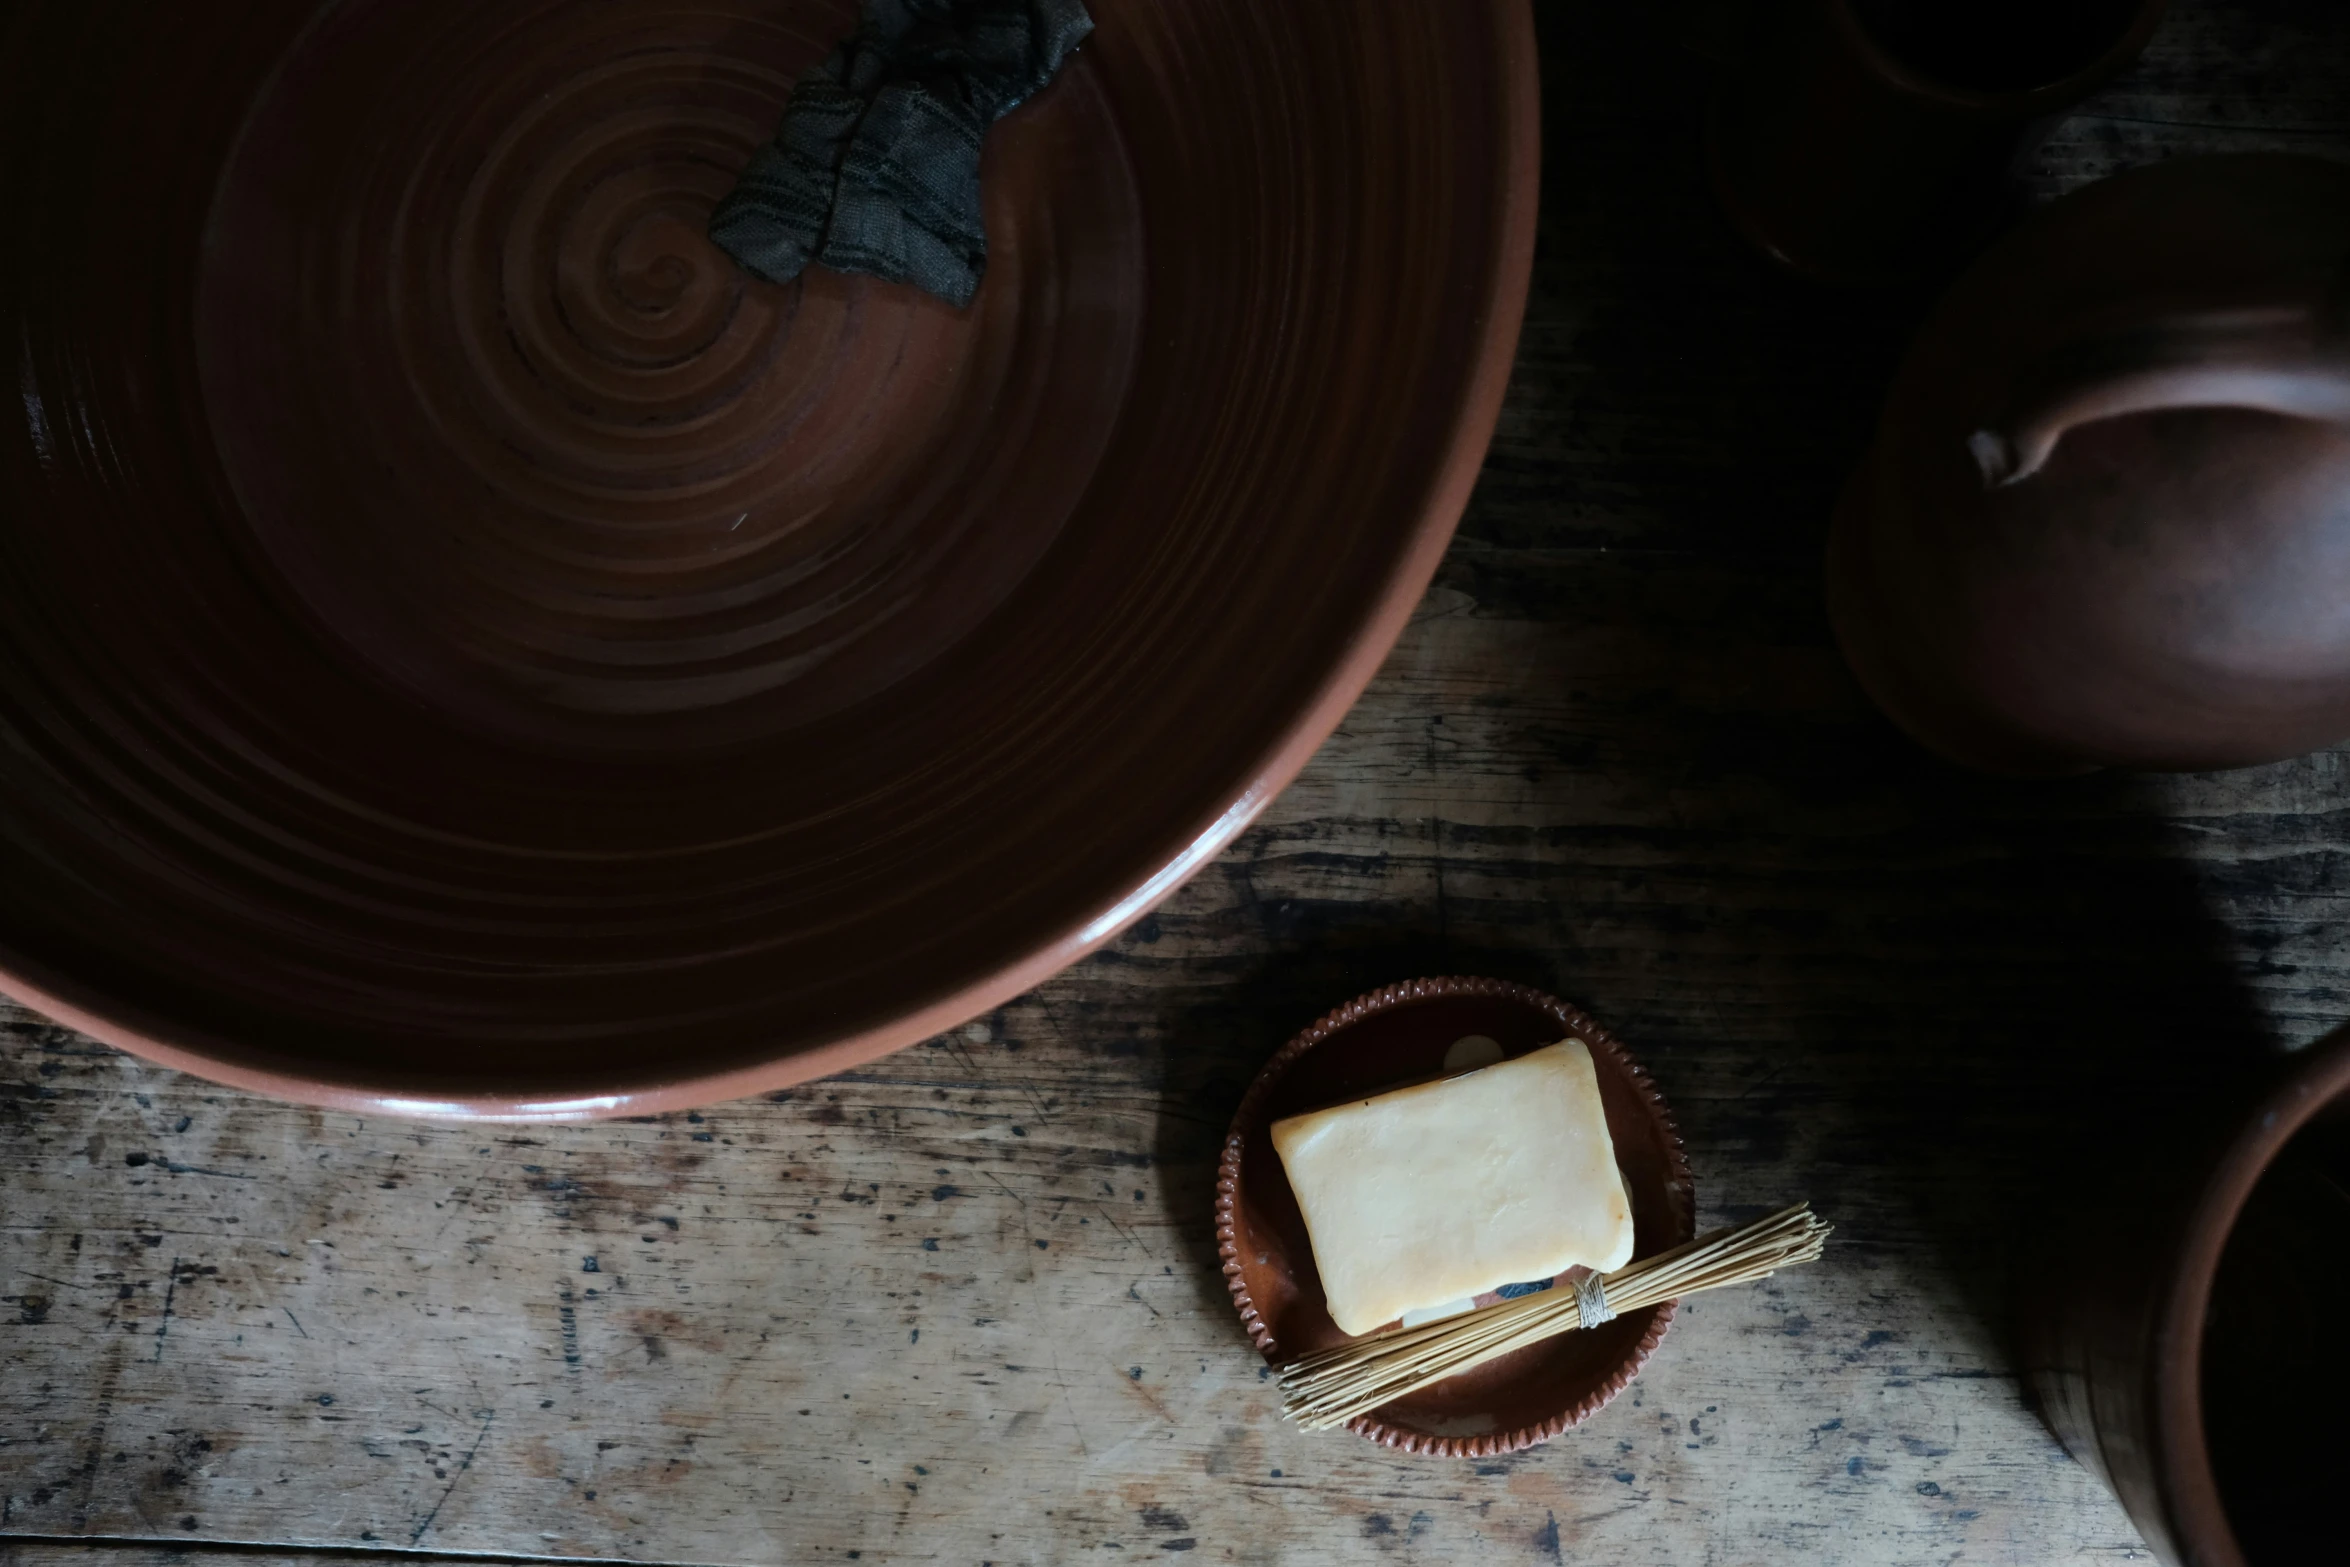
(2175, 1369)
(1578, 1025)
(2000, 102)
(88, 1008)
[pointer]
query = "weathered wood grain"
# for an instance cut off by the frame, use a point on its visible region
(21, 1552)
(958, 1307)
(962, 1306)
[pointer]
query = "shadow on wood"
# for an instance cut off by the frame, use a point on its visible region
(1915, 996)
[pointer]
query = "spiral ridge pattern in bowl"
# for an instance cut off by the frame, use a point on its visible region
(463, 649)
(610, 474)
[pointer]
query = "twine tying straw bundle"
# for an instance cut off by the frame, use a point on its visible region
(1332, 1387)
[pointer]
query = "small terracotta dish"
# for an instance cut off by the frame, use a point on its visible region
(1401, 1034)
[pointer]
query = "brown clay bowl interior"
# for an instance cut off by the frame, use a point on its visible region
(469, 650)
(2250, 1393)
(1398, 1035)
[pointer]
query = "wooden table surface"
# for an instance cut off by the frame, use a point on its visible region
(963, 1305)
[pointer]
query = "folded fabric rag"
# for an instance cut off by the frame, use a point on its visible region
(876, 166)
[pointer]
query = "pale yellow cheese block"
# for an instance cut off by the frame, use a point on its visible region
(1448, 1189)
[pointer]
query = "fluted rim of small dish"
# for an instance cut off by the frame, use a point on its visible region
(1577, 1024)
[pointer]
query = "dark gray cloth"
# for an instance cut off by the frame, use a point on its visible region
(876, 166)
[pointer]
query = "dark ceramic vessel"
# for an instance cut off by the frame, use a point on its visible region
(2183, 1332)
(2106, 518)
(1400, 1034)
(1869, 141)
(468, 650)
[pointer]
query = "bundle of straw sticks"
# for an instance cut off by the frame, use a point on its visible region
(1332, 1387)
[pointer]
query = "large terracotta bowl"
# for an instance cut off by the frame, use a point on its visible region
(467, 650)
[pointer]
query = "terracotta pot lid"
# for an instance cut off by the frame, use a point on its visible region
(1395, 1035)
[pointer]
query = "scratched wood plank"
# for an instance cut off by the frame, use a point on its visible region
(956, 1308)
(115, 1553)
(961, 1306)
